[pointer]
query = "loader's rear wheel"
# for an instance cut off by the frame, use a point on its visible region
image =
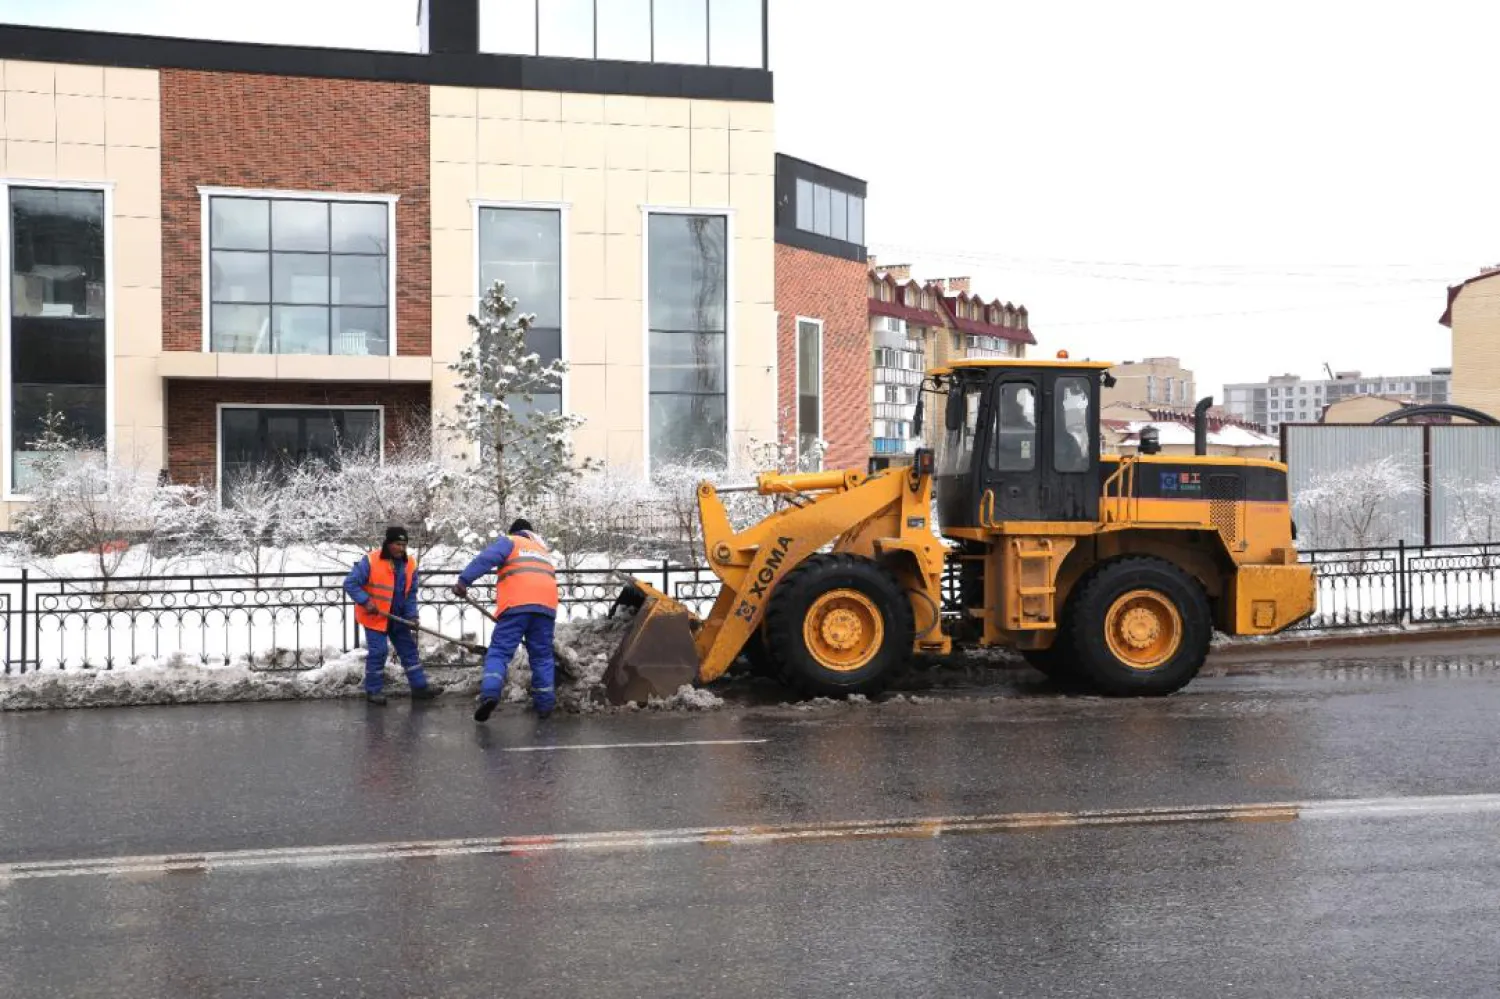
(840, 625)
(1140, 627)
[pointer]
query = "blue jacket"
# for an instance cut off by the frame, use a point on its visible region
(491, 559)
(403, 604)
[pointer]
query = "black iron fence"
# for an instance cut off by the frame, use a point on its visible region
(275, 621)
(267, 621)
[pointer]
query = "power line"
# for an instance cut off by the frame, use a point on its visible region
(1327, 306)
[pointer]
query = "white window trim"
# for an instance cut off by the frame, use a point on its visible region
(730, 308)
(389, 200)
(219, 430)
(822, 387)
(562, 208)
(107, 188)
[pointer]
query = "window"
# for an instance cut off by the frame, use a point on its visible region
(687, 309)
(299, 276)
(1014, 446)
(1071, 423)
(623, 30)
(809, 391)
(960, 441)
(565, 28)
(276, 440)
(827, 212)
(523, 248)
(58, 364)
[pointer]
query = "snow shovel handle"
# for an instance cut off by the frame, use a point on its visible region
(480, 608)
(418, 626)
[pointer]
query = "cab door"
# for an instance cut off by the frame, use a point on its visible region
(1069, 482)
(1012, 451)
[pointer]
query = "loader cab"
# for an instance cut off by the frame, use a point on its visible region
(1020, 443)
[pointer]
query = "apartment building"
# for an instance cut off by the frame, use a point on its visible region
(226, 255)
(919, 325)
(1291, 399)
(1153, 381)
(822, 326)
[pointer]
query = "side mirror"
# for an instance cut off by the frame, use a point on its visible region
(916, 419)
(953, 416)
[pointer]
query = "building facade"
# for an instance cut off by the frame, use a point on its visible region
(919, 325)
(1291, 399)
(822, 326)
(225, 255)
(1473, 316)
(1153, 381)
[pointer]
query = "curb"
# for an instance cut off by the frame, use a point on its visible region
(1293, 643)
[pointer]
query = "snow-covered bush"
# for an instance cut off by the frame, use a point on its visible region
(1473, 510)
(1356, 507)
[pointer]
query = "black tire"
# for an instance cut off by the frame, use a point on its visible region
(796, 596)
(1059, 662)
(1089, 611)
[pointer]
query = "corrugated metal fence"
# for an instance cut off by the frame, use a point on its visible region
(1357, 486)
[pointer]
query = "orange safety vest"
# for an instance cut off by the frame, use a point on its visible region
(527, 578)
(382, 589)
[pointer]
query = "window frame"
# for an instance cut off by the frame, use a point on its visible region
(7, 392)
(731, 308)
(797, 391)
(377, 408)
(476, 209)
(205, 196)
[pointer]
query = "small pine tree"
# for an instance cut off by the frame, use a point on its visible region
(511, 452)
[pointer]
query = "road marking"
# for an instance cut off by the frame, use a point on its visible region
(634, 745)
(652, 839)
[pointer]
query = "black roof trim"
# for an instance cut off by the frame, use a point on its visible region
(507, 72)
(820, 175)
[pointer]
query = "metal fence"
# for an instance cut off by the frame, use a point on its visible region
(291, 621)
(271, 621)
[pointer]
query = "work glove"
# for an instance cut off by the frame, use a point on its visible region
(460, 589)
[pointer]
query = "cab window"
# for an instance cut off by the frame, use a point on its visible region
(1013, 444)
(1071, 422)
(959, 443)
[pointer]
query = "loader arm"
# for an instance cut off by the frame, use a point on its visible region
(870, 515)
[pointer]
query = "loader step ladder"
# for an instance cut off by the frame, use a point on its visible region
(1033, 565)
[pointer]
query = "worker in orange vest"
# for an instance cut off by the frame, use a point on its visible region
(383, 586)
(525, 609)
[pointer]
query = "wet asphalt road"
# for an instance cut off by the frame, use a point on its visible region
(1406, 906)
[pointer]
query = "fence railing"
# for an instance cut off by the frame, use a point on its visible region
(270, 621)
(279, 621)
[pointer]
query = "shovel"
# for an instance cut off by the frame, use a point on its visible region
(561, 657)
(416, 626)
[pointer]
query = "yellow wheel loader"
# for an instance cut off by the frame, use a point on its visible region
(1110, 571)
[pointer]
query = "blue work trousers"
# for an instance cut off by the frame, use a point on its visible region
(379, 644)
(536, 630)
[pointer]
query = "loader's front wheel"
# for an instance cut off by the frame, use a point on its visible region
(840, 625)
(1140, 627)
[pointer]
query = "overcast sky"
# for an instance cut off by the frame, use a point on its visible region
(1256, 189)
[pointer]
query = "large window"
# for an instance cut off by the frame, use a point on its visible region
(688, 284)
(270, 440)
(1013, 448)
(683, 32)
(1071, 422)
(58, 360)
(809, 391)
(299, 276)
(830, 213)
(523, 248)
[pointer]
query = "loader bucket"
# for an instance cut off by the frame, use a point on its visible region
(657, 655)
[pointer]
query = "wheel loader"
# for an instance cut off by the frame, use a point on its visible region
(1108, 572)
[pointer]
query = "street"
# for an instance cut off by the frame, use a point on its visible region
(135, 844)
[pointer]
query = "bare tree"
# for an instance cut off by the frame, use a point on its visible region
(1358, 506)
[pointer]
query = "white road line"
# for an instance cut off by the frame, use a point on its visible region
(651, 839)
(633, 745)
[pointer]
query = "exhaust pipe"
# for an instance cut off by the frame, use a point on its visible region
(1200, 425)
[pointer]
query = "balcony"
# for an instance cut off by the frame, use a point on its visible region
(897, 376)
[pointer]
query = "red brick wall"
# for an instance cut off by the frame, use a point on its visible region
(292, 133)
(815, 286)
(193, 418)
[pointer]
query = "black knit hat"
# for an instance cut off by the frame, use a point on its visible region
(521, 524)
(395, 534)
